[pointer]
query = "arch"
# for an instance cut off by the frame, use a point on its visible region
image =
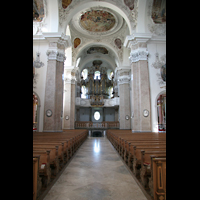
(103, 57)
(38, 109)
(86, 5)
(158, 95)
(90, 58)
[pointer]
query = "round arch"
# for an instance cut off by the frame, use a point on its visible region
(103, 57)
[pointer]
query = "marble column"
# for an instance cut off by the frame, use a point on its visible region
(124, 95)
(54, 84)
(140, 83)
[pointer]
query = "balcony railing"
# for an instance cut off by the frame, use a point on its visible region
(103, 125)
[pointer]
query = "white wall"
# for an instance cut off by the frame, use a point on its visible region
(41, 80)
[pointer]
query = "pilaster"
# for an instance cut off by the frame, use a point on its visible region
(54, 83)
(124, 94)
(140, 82)
(69, 99)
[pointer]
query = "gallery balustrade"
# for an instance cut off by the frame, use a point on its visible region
(89, 124)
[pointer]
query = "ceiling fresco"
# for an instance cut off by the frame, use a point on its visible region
(92, 50)
(38, 10)
(97, 21)
(159, 11)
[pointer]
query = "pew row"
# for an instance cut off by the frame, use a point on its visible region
(51, 151)
(145, 155)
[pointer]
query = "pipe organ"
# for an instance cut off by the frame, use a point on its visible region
(97, 84)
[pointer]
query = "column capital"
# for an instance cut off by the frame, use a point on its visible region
(138, 45)
(56, 55)
(123, 76)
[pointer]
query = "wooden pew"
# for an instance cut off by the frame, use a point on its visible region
(44, 166)
(138, 151)
(35, 175)
(157, 181)
(145, 170)
(54, 161)
(54, 150)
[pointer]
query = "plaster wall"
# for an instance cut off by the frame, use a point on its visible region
(41, 77)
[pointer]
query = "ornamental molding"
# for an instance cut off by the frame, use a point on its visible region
(124, 79)
(139, 54)
(56, 55)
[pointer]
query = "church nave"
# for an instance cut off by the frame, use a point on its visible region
(96, 172)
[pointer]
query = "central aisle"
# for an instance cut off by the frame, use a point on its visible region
(95, 173)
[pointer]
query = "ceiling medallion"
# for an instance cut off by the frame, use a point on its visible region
(97, 21)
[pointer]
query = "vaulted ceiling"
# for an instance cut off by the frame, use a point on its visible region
(98, 33)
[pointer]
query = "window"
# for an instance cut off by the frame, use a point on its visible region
(85, 73)
(111, 74)
(110, 91)
(97, 115)
(84, 90)
(97, 75)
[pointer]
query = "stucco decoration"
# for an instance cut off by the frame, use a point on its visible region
(97, 21)
(130, 4)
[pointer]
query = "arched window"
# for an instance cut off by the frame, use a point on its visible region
(110, 91)
(84, 90)
(97, 115)
(85, 74)
(97, 75)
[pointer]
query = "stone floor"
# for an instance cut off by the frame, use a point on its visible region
(96, 172)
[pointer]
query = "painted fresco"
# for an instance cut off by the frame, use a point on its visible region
(38, 10)
(97, 21)
(92, 50)
(118, 43)
(130, 4)
(159, 11)
(77, 41)
(65, 3)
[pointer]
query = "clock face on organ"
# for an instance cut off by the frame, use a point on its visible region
(48, 113)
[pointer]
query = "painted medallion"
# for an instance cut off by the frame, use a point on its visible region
(118, 43)
(97, 21)
(77, 41)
